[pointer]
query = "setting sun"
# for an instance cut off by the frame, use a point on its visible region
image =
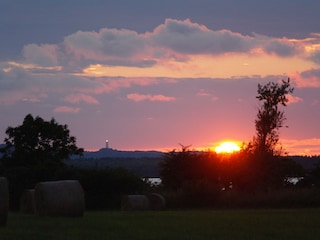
(227, 147)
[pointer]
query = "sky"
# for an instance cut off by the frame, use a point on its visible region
(154, 75)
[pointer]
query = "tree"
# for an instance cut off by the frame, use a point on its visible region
(270, 118)
(38, 141)
(192, 177)
(33, 152)
(263, 157)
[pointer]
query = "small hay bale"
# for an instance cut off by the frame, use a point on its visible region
(157, 201)
(4, 201)
(27, 202)
(60, 198)
(135, 203)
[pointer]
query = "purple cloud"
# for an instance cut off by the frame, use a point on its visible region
(42, 55)
(105, 43)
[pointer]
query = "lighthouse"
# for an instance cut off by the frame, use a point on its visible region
(107, 144)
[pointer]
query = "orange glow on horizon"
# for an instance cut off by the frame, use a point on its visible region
(201, 66)
(227, 147)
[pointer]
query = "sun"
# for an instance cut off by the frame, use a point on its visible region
(227, 147)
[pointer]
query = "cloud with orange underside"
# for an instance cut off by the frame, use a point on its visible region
(307, 79)
(175, 44)
(293, 99)
(203, 66)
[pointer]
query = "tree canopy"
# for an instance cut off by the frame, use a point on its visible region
(37, 141)
(182, 167)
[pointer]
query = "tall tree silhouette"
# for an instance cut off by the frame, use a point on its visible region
(264, 158)
(270, 118)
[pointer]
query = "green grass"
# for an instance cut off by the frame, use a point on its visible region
(288, 224)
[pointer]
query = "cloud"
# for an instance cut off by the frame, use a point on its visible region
(312, 47)
(282, 47)
(87, 64)
(66, 109)
(205, 93)
(315, 57)
(89, 61)
(104, 44)
(13, 77)
(42, 55)
(36, 97)
(302, 147)
(29, 68)
(174, 40)
(308, 78)
(187, 37)
(143, 97)
(293, 99)
(102, 85)
(192, 38)
(77, 98)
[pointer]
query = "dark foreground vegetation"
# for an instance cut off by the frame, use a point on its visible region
(259, 224)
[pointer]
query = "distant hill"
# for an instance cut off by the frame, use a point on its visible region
(144, 167)
(143, 163)
(308, 162)
(112, 153)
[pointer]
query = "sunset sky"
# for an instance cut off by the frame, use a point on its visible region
(150, 75)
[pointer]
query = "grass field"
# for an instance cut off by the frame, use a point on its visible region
(288, 224)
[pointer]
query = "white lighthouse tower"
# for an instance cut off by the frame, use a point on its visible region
(107, 144)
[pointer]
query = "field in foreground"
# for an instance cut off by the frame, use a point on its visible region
(211, 224)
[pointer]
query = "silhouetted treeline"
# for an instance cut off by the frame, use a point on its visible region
(189, 179)
(245, 178)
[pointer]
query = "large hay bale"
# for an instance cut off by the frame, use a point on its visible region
(4, 201)
(135, 203)
(60, 198)
(157, 201)
(27, 202)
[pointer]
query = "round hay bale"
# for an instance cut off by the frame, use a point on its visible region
(4, 201)
(27, 202)
(157, 201)
(135, 203)
(60, 198)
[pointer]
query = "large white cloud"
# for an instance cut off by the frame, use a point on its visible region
(192, 38)
(174, 40)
